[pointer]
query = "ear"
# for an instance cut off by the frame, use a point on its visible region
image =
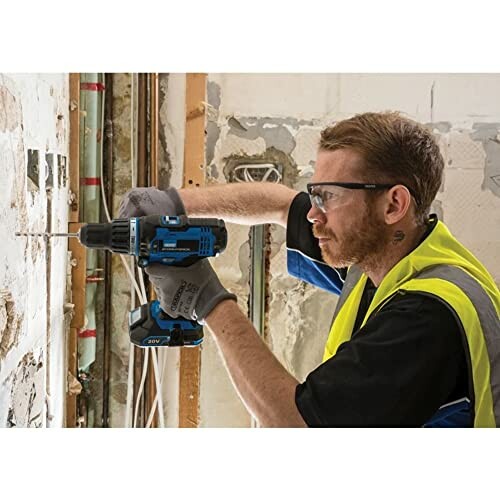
(397, 204)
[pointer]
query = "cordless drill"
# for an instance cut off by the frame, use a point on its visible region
(166, 240)
(161, 239)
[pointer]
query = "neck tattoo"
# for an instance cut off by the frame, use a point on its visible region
(398, 237)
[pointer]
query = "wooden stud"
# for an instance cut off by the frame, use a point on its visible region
(150, 392)
(194, 142)
(78, 252)
(74, 146)
(142, 181)
(78, 276)
(71, 406)
(78, 279)
(153, 136)
(194, 176)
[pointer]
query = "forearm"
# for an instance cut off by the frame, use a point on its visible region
(263, 384)
(248, 203)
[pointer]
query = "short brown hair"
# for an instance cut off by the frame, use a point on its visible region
(395, 149)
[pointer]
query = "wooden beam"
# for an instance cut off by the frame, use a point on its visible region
(78, 253)
(78, 281)
(150, 392)
(71, 379)
(78, 276)
(194, 175)
(142, 129)
(74, 146)
(194, 141)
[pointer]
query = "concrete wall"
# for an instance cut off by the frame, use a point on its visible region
(33, 118)
(277, 119)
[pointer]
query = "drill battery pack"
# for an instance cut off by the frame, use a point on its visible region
(149, 326)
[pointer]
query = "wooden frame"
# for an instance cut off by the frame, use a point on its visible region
(194, 175)
(78, 251)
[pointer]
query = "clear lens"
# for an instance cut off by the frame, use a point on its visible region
(327, 197)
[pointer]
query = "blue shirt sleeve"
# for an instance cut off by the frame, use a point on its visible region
(304, 260)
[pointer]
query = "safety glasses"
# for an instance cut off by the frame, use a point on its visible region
(325, 199)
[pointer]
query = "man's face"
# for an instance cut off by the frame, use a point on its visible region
(352, 231)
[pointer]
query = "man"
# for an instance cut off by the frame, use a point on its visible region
(415, 339)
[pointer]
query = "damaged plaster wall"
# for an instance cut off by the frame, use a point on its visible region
(34, 123)
(277, 119)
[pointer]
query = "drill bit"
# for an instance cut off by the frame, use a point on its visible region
(50, 235)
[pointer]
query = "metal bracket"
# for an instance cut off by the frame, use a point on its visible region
(62, 167)
(257, 172)
(49, 170)
(33, 169)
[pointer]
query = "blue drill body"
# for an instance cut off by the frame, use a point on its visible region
(176, 241)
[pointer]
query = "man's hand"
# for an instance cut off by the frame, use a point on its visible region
(151, 201)
(191, 292)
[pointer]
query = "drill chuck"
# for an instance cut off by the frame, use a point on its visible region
(114, 236)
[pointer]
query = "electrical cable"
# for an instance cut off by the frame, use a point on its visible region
(131, 358)
(145, 360)
(158, 380)
(130, 374)
(142, 285)
(155, 402)
(108, 216)
(141, 293)
(158, 396)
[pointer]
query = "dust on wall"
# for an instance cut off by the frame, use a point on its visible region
(27, 393)
(9, 323)
(33, 119)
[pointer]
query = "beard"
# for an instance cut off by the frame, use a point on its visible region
(363, 243)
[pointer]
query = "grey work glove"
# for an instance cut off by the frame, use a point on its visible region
(191, 292)
(151, 201)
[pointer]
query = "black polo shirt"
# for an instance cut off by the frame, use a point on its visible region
(408, 366)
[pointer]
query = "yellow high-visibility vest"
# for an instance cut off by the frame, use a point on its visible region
(442, 267)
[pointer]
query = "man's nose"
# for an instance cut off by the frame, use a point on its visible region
(316, 215)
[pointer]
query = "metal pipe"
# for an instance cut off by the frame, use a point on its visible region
(108, 184)
(153, 147)
(91, 135)
(257, 296)
(142, 130)
(48, 266)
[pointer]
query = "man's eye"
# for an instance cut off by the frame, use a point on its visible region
(327, 196)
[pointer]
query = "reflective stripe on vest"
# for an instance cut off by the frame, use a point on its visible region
(471, 294)
(481, 325)
(354, 283)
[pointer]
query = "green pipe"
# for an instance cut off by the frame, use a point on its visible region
(90, 168)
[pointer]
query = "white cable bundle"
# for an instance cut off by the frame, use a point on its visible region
(141, 294)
